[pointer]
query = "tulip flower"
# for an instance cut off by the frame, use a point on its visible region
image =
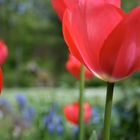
(71, 112)
(104, 38)
(3, 55)
(73, 66)
(3, 52)
(80, 33)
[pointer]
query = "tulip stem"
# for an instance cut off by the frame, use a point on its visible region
(108, 109)
(81, 99)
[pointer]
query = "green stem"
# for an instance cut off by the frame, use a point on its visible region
(81, 99)
(108, 109)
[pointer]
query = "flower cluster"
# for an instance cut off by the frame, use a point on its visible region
(27, 111)
(24, 119)
(53, 122)
(5, 108)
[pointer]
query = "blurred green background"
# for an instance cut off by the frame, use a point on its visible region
(33, 35)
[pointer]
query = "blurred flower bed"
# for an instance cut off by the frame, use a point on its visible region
(23, 117)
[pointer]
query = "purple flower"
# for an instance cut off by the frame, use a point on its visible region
(57, 119)
(51, 128)
(4, 102)
(21, 7)
(47, 119)
(21, 100)
(31, 111)
(5, 106)
(75, 130)
(51, 113)
(59, 129)
(53, 122)
(96, 115)
(28, 114)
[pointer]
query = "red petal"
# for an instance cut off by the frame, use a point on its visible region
(3, 52)
(120, 55)
(116, 3)
(86, 28)
(87, 112)
(73, 66)
(88, 74)
(0, 80)
(71, 112)
(59, 6)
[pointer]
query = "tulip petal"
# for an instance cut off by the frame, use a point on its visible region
(85, 29)
(74, 66)
(70, 42)
(87, 112)
(3, 52)
(120, 56)
(71, 112)
(116, 3)
(61, 5)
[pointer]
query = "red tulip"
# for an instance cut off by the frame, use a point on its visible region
(3, 52)
(73, 66)
(71, 112)
(104, 38)
(61, 5)
(3, 55)
(0, 80)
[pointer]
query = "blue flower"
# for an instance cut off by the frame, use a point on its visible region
(21, 100)
(3, 102)
(60, 129)
(28, 114)
(31, 111)
(51, 113)
(75, 130)
(51, 128)
(57, 119)
(96, 115)
(53, 122)
(47, 119)
(21, 7)
(5, 106)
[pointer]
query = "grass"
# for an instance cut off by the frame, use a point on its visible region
(61, 95)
